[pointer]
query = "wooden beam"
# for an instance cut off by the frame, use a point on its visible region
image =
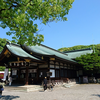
(26, 83)
(52, 58)
(27, 60)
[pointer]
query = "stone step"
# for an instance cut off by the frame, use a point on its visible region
(27, 88)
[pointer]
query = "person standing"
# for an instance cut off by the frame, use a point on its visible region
(45, 83)
(10, 80)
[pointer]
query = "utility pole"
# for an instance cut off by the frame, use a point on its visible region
(93, 44)
(93, 47)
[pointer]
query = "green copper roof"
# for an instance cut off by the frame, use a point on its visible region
(75, 54)
(17, 50)
(47, 51)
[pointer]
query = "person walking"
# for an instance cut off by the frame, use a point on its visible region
(1, 89)
(45, 83)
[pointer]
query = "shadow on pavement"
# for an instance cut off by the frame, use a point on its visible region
(96, 95)
(8, 97)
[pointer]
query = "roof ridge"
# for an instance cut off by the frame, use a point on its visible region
(78, 50)
(53, 49)
(13, 44)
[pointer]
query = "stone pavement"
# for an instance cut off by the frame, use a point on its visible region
(78, 92)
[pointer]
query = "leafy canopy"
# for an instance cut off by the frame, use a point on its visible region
(2, 43)
(90, 62)
(19, 16)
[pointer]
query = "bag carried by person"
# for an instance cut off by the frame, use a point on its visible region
(2, 89)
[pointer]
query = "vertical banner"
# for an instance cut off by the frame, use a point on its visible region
(5, 73)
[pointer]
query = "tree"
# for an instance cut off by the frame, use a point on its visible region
(90, 62)
(2, 68)
(19, 16)
(2, 43)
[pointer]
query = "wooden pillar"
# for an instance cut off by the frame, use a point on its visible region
(67, 72)
(26, 82)
(7, 76)
(55, 68)
(63, 70)
(37, 73)
(19, 72)
(59, 71)
(48, 68)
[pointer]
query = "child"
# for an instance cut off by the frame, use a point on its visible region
(1, 89)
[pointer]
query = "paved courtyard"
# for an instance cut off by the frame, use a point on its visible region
(78, 92)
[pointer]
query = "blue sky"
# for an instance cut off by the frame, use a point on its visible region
(82, 27)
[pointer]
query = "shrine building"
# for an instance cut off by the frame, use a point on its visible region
(29, 63)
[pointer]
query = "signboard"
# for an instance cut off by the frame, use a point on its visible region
(1, 75)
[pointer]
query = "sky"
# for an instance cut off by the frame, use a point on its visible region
(82, 27)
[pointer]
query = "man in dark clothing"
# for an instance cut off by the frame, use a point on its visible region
(45, 83)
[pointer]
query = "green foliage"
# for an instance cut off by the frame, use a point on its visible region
(19, 16)
(2, 68)
(97, 47)
(2, 43)
(90, 62)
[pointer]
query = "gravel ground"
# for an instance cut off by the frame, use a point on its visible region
(78, 92)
